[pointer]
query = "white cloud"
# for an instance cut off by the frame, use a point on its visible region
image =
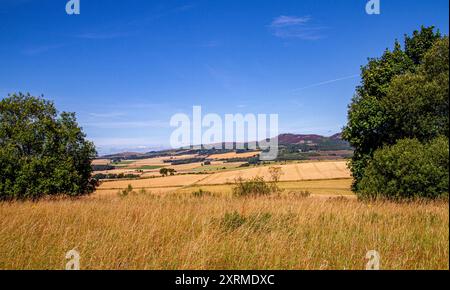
(296, 28)
(283, 21)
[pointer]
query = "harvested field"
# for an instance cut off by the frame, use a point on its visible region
(158, 182)
(291, 172)
(334, 187)
(231, 155)
(101, 162)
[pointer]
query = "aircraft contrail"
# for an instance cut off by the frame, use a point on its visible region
(326, 82)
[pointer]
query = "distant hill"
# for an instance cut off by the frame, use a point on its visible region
(337, 136)
(290, 144)
(313, 139)
(124, 155)
(312, 146)
(298, 138)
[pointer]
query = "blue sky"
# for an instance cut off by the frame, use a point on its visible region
(125, 67)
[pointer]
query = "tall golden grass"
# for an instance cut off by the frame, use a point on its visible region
(180, 231)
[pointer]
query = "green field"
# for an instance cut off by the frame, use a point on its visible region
(149, 167)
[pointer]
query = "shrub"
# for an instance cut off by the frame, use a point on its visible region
(275, 175)
(126, 191)
(252, 187)
(408, 169)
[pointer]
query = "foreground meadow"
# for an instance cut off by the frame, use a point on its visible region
(184, 231)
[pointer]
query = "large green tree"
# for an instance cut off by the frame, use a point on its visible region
(42, 152)
(387, 107)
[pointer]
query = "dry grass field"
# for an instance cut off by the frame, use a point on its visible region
(180, 231)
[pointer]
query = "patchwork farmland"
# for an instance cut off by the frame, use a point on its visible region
(217, 172)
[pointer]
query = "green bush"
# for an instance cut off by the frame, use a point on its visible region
(407, 170)
(252, 187)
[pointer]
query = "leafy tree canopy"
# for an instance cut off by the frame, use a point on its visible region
(403, 94)
(42, 152)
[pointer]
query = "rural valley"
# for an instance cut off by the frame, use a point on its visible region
(224, 135)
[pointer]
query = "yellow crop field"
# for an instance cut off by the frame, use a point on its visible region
(317, 188)
(290, 172)
(148, 161)
(159, 160)
(233, 155)
(101, 162)
(158, 182)
(186, 167)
